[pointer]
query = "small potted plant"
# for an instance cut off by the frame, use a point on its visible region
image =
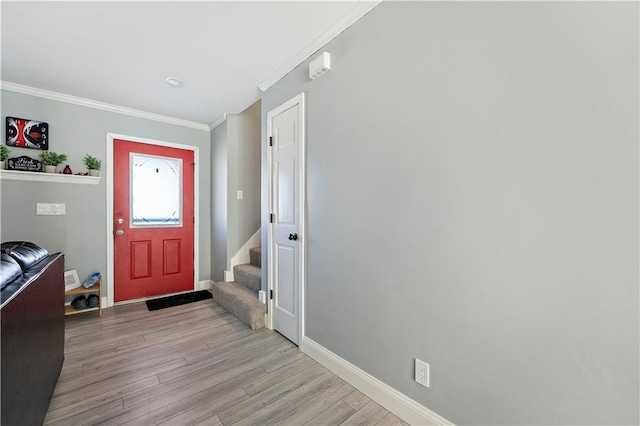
(4, 154)
(93, 164)
(51, 160)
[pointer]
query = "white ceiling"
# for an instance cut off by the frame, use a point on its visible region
(120, 52)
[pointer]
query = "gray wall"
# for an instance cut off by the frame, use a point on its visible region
(472, 188)
(76, 131)
(236, 163)
(219, 202)
(243, 168)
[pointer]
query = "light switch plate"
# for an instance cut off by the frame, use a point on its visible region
(240, 195)
(50, 209)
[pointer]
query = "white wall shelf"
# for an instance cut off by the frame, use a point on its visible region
(48, 177)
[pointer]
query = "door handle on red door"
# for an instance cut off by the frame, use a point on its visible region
(119, 232)
(293, 237)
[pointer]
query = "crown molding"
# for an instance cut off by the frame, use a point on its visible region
(61, 97)
(345, 21)
(218, 121)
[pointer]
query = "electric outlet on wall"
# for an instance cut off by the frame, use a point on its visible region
(422, 373)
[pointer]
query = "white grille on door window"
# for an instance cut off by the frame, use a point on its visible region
(156, 190)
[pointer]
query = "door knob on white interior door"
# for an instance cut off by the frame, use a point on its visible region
(293, 237)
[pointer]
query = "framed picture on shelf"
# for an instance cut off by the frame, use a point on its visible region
(26, 133)
(71, 280)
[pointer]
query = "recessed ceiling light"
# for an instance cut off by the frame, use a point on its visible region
(175, 82)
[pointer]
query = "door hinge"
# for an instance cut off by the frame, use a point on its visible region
(271, 218)
(270, 140)
(270, 294)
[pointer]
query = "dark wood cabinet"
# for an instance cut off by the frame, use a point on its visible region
(32, 343)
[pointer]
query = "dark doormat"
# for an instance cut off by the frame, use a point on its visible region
(178, 299)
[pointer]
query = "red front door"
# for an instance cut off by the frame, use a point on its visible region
(154, 216)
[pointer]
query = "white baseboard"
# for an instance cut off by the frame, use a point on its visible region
(204, 285)
(399, 404)
(262, 296)
(228, 276)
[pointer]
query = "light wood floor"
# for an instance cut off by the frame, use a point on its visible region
(195, 364)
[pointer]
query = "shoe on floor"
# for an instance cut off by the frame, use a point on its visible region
(79, 302)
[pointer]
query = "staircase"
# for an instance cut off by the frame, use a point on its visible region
(241, 297)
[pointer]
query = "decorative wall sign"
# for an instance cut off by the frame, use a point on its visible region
(25, 164)
(24, 133)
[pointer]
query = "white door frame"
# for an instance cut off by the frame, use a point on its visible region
(299, 99)
(110, 218)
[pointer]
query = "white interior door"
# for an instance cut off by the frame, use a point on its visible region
(286, 252)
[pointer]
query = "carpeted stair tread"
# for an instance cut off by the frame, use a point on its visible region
(248, 275)
(241, 302)
(255, 254)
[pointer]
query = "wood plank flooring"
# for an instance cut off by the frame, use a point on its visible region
(196, 365)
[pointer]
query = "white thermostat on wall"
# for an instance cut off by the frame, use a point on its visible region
(319, 65)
